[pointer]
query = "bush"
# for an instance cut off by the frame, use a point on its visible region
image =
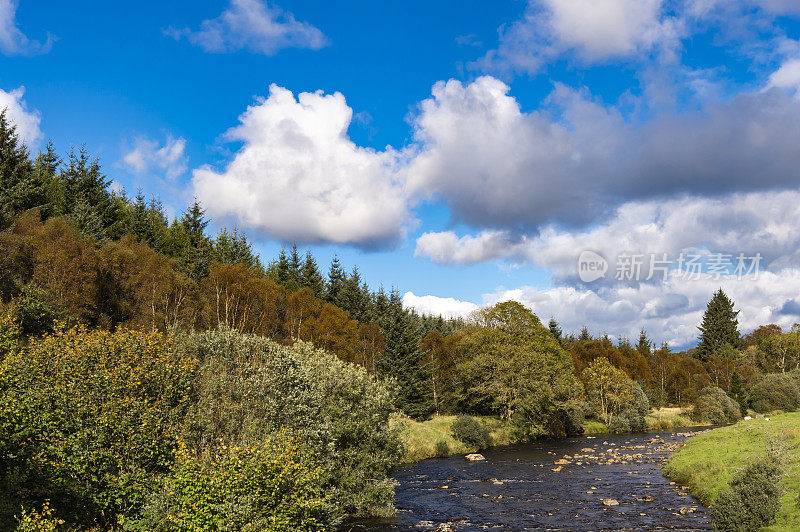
(471, 431)
(777, 391)
(442, 449)
(633, 417)
(713, 404)
(272, 486)
(87, 420)
(752, 499)
(34, 521)
(568, 419)
(250, 388)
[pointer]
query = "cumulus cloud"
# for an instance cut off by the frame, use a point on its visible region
(754, 223)
(574, 160)
(593, 30)
(669, 312)
(148, 154)
(17, 112)
(787, 76)
(446, 307)
(254, 26)
(298, 176)
(12, 40)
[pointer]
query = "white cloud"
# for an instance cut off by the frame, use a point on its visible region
(299, 177)
(669, 312)
(739, 223)
(27, 122)
(447, 307)
(254, 26)
(594, 30)
(148, 154)
(787, 76)
(574, 159)
(12, 40)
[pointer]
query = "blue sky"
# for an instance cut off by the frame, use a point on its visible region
(484, 144)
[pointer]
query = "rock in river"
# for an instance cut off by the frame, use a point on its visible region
(475, 457)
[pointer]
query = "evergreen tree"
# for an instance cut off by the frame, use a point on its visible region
(719, 327)
(139, 223)
(404, 361)
(294, 266)
(197, 255)
(20, 187)
(645, 346)
(336, 278)
(584, 336)
(310, 276)
(283, 270)
(46, 169)
(555, 330)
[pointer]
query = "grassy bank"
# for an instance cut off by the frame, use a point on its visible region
(707, 462)
(421, 438)
(662, 419)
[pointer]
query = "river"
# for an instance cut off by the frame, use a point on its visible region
(515, 488)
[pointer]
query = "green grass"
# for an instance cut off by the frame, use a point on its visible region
(662, 419)
(708, 461)
(421, 437)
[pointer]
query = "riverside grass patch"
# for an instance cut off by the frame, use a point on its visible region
(709, 461)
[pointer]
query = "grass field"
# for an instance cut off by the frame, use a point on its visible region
(421, 437)
(708, 461)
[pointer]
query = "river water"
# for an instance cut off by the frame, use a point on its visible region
(515, 488)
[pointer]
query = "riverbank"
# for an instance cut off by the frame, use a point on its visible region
(706, 463)
(423, 439)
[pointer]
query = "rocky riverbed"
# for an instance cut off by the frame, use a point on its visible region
(606, 482)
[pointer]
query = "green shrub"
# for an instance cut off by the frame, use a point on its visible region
(471, 431)
(250, 387)
(633, 417)
(777, 391)
(752, 499)
(442, 449)
(34, 521)
(568, 419)
(713, 404)
(87, 420)
(273, 486)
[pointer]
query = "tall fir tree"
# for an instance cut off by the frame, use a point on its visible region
(197, 254)
(310, 276)
(404, 361)
(20, 188)
(335, 284)
(719, 327)
(555, 330)
(644, 346)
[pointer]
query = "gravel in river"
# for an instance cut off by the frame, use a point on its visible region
(606, 482)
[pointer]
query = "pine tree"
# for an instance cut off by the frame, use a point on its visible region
(197, 255)
(404, 361)
(336, 277)
(282, 269)
(294, 266)
(139, 223)
(555, 330)
(20, 187)
(310, 276)
(584, 336)
(645, 346)
(719, 326)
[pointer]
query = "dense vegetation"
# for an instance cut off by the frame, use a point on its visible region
(149, 371)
